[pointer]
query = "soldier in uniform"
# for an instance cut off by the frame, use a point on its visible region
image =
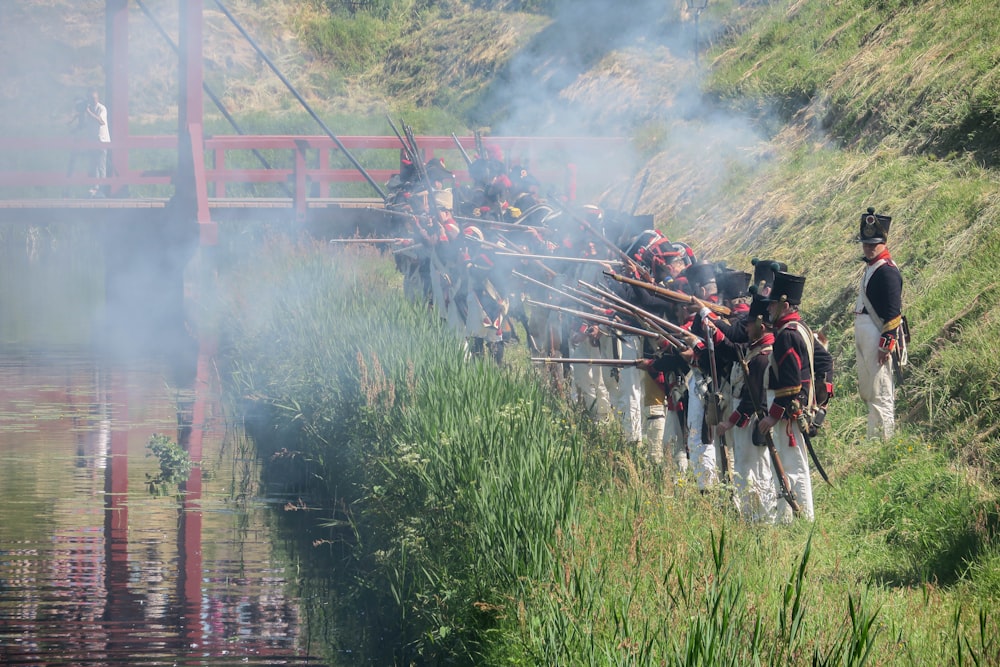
(701, 406)
(878, 316)
(789, 388)
(753, 478)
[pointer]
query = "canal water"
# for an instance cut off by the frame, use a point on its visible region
(99, 563)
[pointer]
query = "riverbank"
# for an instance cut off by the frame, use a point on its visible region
(485, 522)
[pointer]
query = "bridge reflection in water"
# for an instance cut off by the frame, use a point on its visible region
(96, 570)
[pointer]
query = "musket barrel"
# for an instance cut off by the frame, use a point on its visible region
(621, 363)
(680, 297)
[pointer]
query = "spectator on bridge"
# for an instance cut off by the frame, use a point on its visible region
(97, 113)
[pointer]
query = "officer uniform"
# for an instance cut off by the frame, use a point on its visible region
(878, 315)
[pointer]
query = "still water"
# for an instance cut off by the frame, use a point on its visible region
(98, 566)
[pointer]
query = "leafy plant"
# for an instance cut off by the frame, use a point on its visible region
(175, 464)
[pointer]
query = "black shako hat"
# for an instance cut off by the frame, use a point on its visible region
(874, 228)
(700, 274)
(733, 284)
(763, 271)
(787, 287)
(758, 306)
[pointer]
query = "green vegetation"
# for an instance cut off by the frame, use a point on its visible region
(490, 524)
(452, 476)
(863, 102)
(175, 464)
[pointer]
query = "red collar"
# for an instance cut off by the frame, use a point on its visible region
(883, 255)
(790, 317)
(766, 339)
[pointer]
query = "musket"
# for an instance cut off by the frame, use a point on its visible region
(619, 363)
(592, 304)
(638, 194)
(504, 226)
(634, 311)
(552, 273)
(715, 397)
(480, 150)
(597, 319)
(561, 258)
(552, 288)
(398, 240)
(645, 314)
(479, 222)
(461, 148)
(786, 488)
(638, 268)
(680, 297)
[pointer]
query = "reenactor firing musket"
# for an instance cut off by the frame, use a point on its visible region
(679, 297)
(617, 363)
(786, 488)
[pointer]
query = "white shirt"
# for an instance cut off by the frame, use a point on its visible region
(103, 134)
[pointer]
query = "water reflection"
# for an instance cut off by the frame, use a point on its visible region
(96, 570)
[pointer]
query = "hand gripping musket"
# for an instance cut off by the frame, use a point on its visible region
(673, 295)
(786, 488)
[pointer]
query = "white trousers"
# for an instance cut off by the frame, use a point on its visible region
(704, 461)
(875, 383)
(791, 448)
(753, 476)
(588, 380)
(625, 391)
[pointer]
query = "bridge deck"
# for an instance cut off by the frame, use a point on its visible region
(213, 202)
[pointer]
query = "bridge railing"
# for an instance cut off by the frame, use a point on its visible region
(300, 168)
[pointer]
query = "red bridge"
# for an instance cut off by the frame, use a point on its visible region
(192, 177)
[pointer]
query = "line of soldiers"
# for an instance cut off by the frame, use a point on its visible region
(710, 368)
